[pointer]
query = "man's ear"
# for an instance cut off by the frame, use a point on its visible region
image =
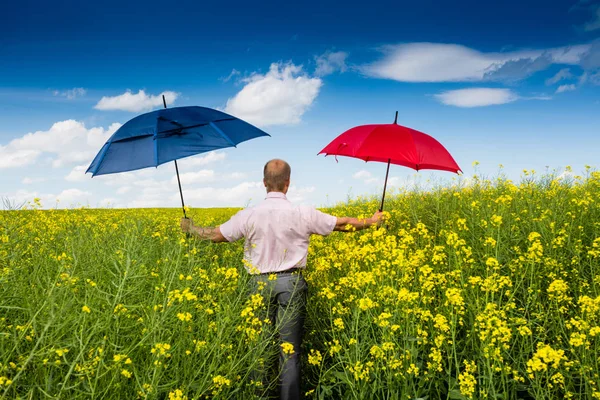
(264, 183)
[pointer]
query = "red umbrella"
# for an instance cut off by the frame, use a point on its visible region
(394, 144)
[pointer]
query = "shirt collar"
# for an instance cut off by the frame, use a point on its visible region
(276, 195)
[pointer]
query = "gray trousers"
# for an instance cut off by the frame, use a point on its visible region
(285, 301)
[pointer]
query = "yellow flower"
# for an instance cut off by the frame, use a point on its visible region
(177, 395)
(287, 348)
(4, 381)
(466, 380)
(578, 339)
(161, 350)
(492, 262)
(496, 220)
(219, 382)
(184, 316)
(366, 303)
(86, 309)
(376, 351)
(543, 357)
(61, 352)
(557, 290)
(383, 319)
(126, 373)
(314, 358)
(454, 297)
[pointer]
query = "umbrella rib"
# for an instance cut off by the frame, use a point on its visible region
(155, 137)
(220, 132)
(131, 138)
(194, 126)
(183, 127)
(170, 121)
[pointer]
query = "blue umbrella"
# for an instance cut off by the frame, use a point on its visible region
(169, 134)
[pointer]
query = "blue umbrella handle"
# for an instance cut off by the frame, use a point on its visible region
(177, 170)
(180, 192)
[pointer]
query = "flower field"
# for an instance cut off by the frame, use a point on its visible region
(489, 290)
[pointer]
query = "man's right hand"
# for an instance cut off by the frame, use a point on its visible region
(349, 224)
(186, 225)
(378, 218)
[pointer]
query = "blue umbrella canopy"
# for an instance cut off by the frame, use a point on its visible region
(169, 134)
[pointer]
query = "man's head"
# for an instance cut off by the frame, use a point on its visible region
(277, 176)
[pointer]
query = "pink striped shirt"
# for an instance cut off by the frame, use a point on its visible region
(277, 232)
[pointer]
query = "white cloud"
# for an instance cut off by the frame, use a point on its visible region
(12, 158)
(362, 174)
(146, 203)
(77, 174)
(150, 183)
(236, 175)
(564, 73)
(71, 93)
(298, 195)
(594, 23)
(137, 178)
(374, 181)
(239, 195)
(330, 62)
(234, 72)
(135, 102)
(377, 181)
(368, 178)
(123, 190)
(394, 181)
(565, 175)
(68, 141)
(68, 198)
(566, 88)
(279, 97)
(590, 60)
(206, 176)
(439, 62)
(209, 158)
(29, 181)
(476, 97)
(109, 202)
(202, 176)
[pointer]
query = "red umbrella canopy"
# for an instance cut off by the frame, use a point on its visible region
(395, 144)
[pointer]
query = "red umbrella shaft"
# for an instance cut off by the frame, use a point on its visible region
(385, 184)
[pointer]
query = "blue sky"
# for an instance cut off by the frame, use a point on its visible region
(506, 83)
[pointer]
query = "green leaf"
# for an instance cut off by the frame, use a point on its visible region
(455, 394)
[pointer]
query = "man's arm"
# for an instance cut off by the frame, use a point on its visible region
(349, 224)
(213, 234)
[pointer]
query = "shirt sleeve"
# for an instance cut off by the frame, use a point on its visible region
(321, 223)
(233, 229)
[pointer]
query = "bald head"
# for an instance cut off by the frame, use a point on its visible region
(277, 175)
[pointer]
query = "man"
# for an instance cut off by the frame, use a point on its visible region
(277, 236)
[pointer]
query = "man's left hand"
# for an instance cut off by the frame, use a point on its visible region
(186, 225)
